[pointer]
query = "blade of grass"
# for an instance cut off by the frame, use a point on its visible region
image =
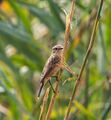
(84, 111)
(8, 62)
(21, 15)
(55, 9)
(6, 29)
(44, 17)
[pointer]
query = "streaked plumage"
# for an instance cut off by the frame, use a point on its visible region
(52, 66)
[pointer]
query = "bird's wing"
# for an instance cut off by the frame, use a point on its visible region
(49, 66)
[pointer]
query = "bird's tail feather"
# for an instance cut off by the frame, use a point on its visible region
(40, 89)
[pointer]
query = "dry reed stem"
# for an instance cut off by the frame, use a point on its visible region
(85, 60)
(44, 104)
(67, 33)
(53, 98)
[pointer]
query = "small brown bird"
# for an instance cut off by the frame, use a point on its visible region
(52, 66)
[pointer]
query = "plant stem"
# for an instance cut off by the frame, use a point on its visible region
(85, 60)
(86, 97)
(67, 33)
(53, 98)
(44, 104)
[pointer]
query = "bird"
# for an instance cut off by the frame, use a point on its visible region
(51, 67)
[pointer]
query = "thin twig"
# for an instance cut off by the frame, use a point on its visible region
(85, 60)
(86, 86)
(51, 86)
(86, 97)
(44, 104)
(53, 98)
(67, 68)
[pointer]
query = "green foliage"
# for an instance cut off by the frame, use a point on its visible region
(28, 30)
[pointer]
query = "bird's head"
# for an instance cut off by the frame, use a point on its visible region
(57, 49)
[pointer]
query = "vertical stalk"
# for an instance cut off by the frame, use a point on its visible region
(53, 98)
(92, 39)
(44, 104)
(67, 33)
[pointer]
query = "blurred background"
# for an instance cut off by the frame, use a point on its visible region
(28, 30)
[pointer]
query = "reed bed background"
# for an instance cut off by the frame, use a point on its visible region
(28, 31)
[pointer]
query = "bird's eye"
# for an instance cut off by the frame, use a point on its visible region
(55, 48)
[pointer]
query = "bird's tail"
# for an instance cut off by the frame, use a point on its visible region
(40, 89)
